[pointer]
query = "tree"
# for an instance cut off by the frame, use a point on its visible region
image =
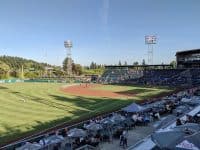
(125, 63)
(15, 64)
(119, 63)
(4, 70)
(95, 65)
(31, 75)
(92, 65)
(65, 63)
(173, 63)
(143, 62)
(77, 69)
(14, 73)
(58, 72)
(135, 63)
(86, 67)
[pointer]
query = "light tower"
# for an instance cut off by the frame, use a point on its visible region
(150, 40)
(68, 46)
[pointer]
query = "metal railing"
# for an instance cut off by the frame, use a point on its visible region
(86, 147)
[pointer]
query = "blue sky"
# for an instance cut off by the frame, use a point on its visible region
(104, 31)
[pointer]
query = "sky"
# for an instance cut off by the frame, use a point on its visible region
(103, 31)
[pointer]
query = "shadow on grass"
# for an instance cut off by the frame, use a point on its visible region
(15, 92)
(153, 96)
(133, 92)
(81, 108)
(12, 132)
(3, 88)
(44, 101)
(89, 107)
(142, 86)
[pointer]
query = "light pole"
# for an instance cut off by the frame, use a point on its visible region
(68, 46)
(150, 40)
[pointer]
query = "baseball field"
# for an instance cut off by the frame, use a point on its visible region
(27, 108)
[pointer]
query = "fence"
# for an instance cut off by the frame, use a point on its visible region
(36, 80)
(11, 80)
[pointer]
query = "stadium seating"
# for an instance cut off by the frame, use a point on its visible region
(119, 75)
(164, 77)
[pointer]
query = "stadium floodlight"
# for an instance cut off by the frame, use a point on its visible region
(150, 40)
(68, 46)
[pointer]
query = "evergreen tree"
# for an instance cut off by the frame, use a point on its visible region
(119, 63)
(76, 68)
(125, 63)
(135, 63)
(173, 63)
(65, 63)
(4, 70)
(92, 65)
(143, 62)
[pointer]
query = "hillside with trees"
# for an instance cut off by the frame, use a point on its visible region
(12, 67)
(17, 67)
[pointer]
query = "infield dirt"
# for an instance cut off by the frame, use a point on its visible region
(92, 90)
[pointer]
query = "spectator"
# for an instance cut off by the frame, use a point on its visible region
(64, 132)
(151, 116)
(178, 122)
(157, 115)
(121, 139)
(189, 119)
(125, 134)
(135, 117)
(125, 142)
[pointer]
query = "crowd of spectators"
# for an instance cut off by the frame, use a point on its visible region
(165, 77)
(189, 119)
(118, 75)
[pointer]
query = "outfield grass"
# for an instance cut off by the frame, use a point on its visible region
(31, 107)
(139, 92)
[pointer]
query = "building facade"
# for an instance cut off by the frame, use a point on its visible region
(188, 59)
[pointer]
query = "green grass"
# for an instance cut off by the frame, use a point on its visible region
(140, 92)
(31, 107)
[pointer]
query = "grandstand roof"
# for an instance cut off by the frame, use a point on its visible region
(188, 51)
(144, 66)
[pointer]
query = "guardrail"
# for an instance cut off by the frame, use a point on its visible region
(38, 80)
(86, 147)
(11, 80)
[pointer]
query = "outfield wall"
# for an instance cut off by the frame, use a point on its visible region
(11, 80)
(36, 80)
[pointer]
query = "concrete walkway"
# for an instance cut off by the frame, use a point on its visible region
(134, 135)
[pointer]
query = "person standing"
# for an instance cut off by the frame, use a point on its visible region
(178, 122)
(125, 135)
(121, 139)
(125, 145)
